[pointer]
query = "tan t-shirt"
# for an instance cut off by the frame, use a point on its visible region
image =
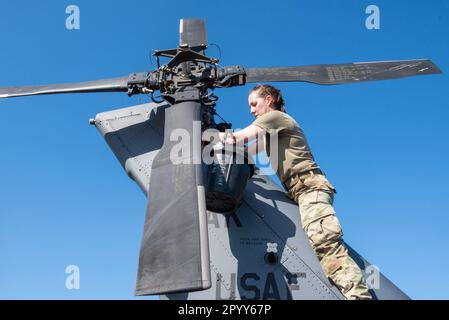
(293, 152)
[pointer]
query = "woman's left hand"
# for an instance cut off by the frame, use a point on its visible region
(226, 137)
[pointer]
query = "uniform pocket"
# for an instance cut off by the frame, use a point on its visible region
(325, 234)
(332, 228)
(315, 206)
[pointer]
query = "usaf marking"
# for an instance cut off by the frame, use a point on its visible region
(260, 288)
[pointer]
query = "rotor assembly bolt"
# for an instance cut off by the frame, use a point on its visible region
(271, 256)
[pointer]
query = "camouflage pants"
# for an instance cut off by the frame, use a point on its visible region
(326, 237)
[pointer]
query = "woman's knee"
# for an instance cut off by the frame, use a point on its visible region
(325, 233)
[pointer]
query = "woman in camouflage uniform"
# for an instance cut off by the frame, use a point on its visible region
(305, 183)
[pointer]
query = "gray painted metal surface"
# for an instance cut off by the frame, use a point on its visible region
(171, 257)
(259, 252)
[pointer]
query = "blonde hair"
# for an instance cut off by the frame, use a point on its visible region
(265, 90)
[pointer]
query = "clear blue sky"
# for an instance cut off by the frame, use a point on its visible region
(65, 200)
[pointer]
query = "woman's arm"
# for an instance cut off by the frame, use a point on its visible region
(243, 136)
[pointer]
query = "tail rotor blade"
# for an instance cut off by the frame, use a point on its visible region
(107, 85)
(329, 74)
(192, 32)
(174, 255)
